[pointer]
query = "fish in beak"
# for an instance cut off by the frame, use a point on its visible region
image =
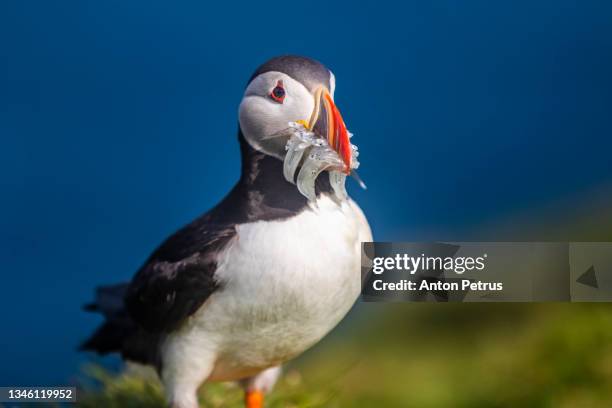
(326, 122)
(307, 151)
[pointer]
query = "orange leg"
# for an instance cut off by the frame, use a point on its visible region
(253, 399)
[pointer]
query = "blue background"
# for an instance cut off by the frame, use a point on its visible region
(118, 125)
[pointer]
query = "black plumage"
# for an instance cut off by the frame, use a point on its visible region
(309, 72)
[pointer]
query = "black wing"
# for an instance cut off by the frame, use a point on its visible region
(178, 277)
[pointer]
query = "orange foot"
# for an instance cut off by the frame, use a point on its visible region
(253, 399)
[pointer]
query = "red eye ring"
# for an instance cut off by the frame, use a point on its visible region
(278, 93)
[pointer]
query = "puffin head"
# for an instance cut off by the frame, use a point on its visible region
(291, 89)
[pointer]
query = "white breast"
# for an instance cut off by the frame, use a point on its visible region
(285, 284)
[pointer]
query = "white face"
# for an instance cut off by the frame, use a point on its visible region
(263, 112)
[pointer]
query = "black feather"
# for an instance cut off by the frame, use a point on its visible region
(119, 333)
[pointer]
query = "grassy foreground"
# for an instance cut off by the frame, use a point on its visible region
(430, 355)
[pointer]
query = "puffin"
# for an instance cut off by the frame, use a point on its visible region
(263, 275)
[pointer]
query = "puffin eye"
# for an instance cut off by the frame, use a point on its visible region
(278, 93)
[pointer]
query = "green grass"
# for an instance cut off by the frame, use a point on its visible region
(136, 390)
(430, 355)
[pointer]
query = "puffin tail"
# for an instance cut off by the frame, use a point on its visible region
(119, 333)
(117, 327)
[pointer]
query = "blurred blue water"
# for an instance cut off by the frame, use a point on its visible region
(118, 125)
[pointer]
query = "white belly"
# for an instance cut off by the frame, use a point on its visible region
(284, 285)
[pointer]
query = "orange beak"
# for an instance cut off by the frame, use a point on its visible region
(327, 122)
